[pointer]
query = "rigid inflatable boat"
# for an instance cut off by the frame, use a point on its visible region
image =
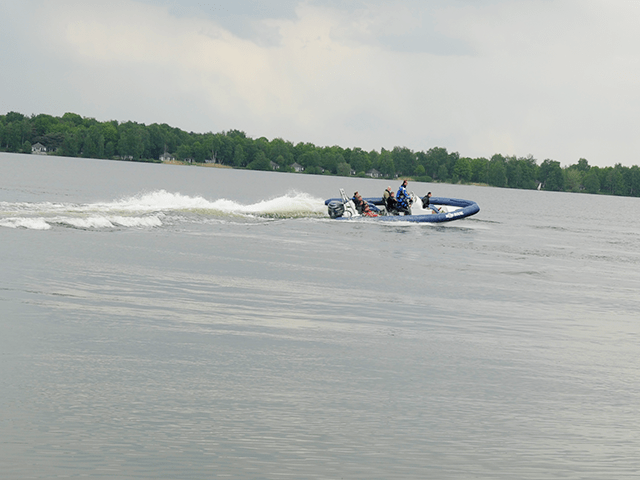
(440, 209)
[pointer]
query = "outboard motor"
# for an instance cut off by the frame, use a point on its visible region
(336, 209)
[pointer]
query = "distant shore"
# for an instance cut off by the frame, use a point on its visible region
(194, 164)
(72, 135)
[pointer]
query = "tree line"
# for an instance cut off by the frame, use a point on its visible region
(75, 136)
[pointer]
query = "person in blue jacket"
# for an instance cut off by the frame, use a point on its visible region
(403, 199)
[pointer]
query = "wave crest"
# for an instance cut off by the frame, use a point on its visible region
(148, 209)
(291, 204)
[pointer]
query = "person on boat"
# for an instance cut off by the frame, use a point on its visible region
(425, 202)
(389, 199)
(357, 201)
(361, 206)
(404, 199)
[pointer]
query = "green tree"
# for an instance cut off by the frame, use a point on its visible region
(480, 170)
(280, 161)
(224, 149)
(42, 124)
(574, 176)
(432, 160)
(386, 165)
(591, 182)
(583, 165)
(614, 181)
(529, 172)
(301, 148)
(551, 175)
(514, 173)
(183, 152)
(497, 173)
(261, 144)
(237, 136)
(634, 181)
(573, 181)
(260, 162)
(110, 150)
(132, 140)
(72, 118)
(343, 169)
(239, 156)
(70, 145)
(157, 141)
(358, 159)
(443, 173)
(12, 136)
(310, 160)
(329, 160)
(462, 169)
(280, 148)
(93, 146)
(14, 117)
(199, 152)
(404, 160)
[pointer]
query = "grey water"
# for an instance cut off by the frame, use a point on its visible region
(169, 322)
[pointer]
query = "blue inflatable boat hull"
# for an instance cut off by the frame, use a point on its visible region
(467, 208)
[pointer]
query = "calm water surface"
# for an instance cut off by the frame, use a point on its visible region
(181, 322)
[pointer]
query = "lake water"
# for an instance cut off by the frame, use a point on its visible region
(173, 322)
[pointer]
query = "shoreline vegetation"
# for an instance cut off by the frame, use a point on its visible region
(72, 135)
(180, 162)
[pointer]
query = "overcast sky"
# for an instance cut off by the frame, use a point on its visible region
(556, 79)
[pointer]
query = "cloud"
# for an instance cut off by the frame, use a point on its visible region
(559, 74)
(555, 79)
(243, 19)
(136, 55)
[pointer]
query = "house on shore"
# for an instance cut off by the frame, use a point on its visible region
(297, 167)
(373, 173)
(274, 165)
(167, 157)
(38, 149)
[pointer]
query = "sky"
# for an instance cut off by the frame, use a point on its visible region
(554, 79)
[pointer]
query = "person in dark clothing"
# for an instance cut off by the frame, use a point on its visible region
(358, 202)
(390, 202)
(403, 199)
(425, 202)
(361, 206)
